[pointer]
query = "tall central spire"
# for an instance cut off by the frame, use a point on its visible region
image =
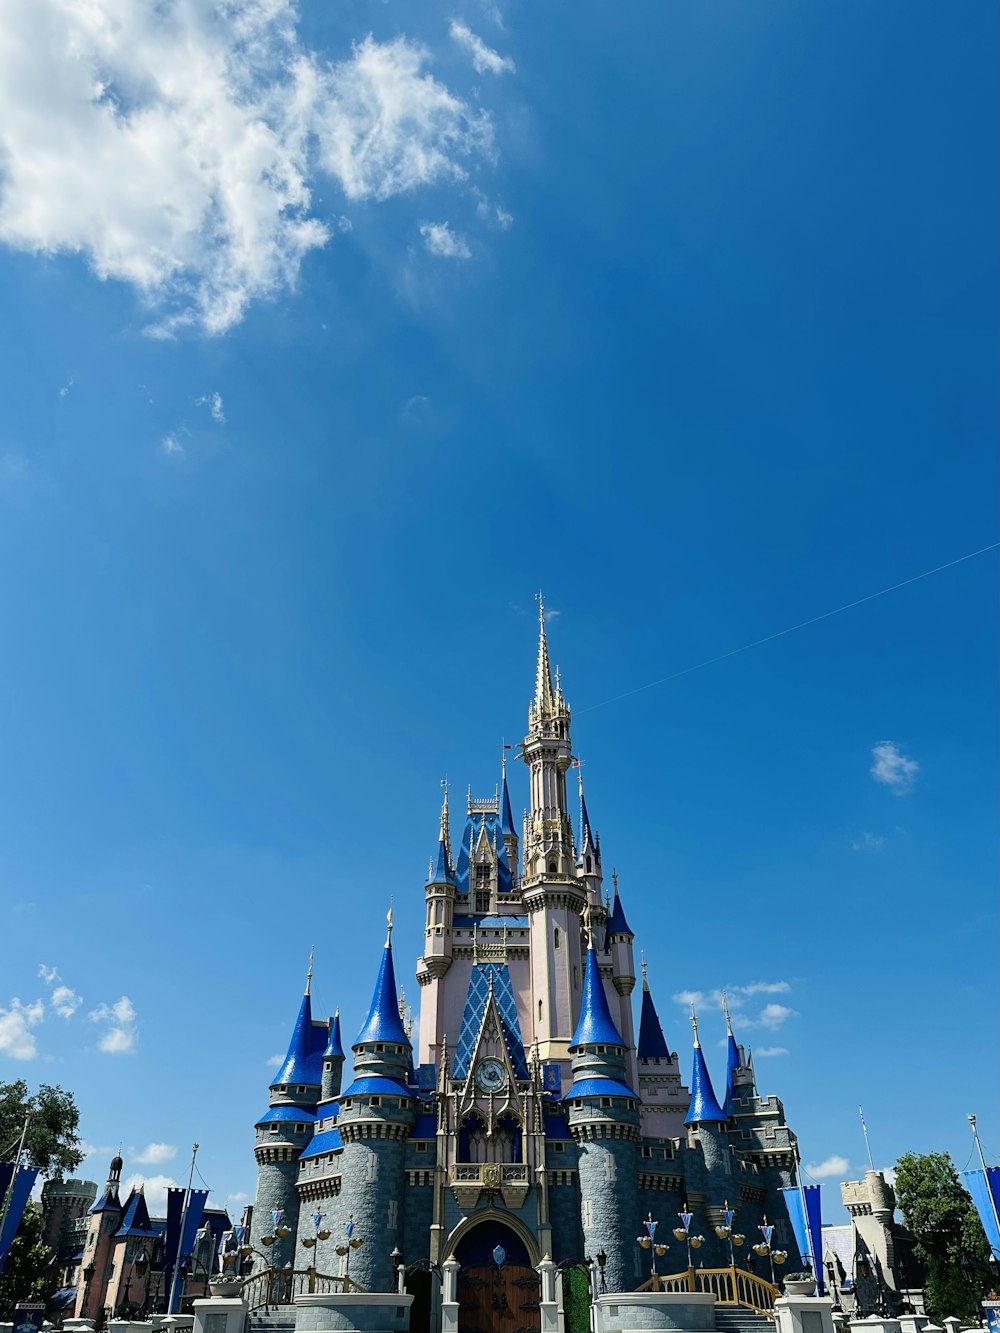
(545, 698)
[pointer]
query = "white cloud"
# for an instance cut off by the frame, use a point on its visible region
(832, 1166)
(16, 1037)
(65, 1001)
(176, 146)
(213, 401)
(155, 1154)
(155, 1190)
(171, 445)
(892, 768)
(868, 842)
(484, 59)
(441, 240)
(767, 1051)
(274, 1061)
(48, 974)
(121, 1035)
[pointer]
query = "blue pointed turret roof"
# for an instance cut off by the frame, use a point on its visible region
(652, 1043)
(299, 1065)
(506, 816)
(704, 1103)
(733, 1062)
(617, 925)
(135, 1218)
(108, 1201)
(383, 1022)
(596, 1026)
(334, 1047)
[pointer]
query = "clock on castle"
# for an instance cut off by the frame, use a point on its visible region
(526, 1115)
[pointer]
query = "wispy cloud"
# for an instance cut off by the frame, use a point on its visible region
(213, 401)
(484, 59)
(892, 768)
(101, 103)
(155, 1154)
(868, 842)
(830, 1166)
(440, 240)
(120, 1035)
(65, 1001)
(17, 1038)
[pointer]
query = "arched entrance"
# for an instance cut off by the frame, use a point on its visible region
(496, 1297)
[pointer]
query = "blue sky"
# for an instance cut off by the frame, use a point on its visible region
(330, 335)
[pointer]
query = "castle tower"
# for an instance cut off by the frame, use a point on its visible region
(551, 892)
(438, 946)
(377, 1112)
(103, 1221)
(619, 943)
(604, 1122)
(284, 1130)
(665, 1100)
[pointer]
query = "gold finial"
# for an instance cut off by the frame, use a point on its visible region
(309, 974)
(642, 964)
(388, 922)
(725, 1010)
(694, 1024)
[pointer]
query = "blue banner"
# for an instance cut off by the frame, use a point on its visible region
(176, 1247)
(814, 1221)
(18, 1182)
(985, 1191)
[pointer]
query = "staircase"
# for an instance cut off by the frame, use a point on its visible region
(734, 1319)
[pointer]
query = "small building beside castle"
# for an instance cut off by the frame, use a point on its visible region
(527, 1113)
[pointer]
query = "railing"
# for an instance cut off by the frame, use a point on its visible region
(729, 1286)
(280, 1286)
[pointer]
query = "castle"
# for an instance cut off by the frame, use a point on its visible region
(527, 1116)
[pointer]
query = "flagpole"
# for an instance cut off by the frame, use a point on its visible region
(986, 1174)
(180, 1238)
(864, 1129)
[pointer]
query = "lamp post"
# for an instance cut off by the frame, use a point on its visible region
(648, 1242)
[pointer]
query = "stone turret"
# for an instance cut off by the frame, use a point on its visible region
(377, 1112)
(604, 1121)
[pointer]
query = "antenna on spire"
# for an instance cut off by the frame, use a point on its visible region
(309, 974)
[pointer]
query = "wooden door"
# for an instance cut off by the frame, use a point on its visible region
(498, 1300)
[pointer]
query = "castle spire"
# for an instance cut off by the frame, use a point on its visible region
(545, 698)
(704, 1104)
(383, 1023)
(734, 1060)
(652, 1043)
(596, 1026)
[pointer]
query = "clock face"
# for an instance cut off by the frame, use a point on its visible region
(490, 1075)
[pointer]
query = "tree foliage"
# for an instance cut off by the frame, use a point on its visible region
(949, 1234)
(52, 1144)
(25, 1275)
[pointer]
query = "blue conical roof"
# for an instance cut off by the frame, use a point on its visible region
(596, 1026)
(135, 1219)
(334, 1049)
(652, 1043)
(506, 818)
(617, 925)
(298, 1065)
(383, 1022)
(704, 1104)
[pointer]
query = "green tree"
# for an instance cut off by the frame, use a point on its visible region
(943, 1218)
(52, 1144)
(25, 1275)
